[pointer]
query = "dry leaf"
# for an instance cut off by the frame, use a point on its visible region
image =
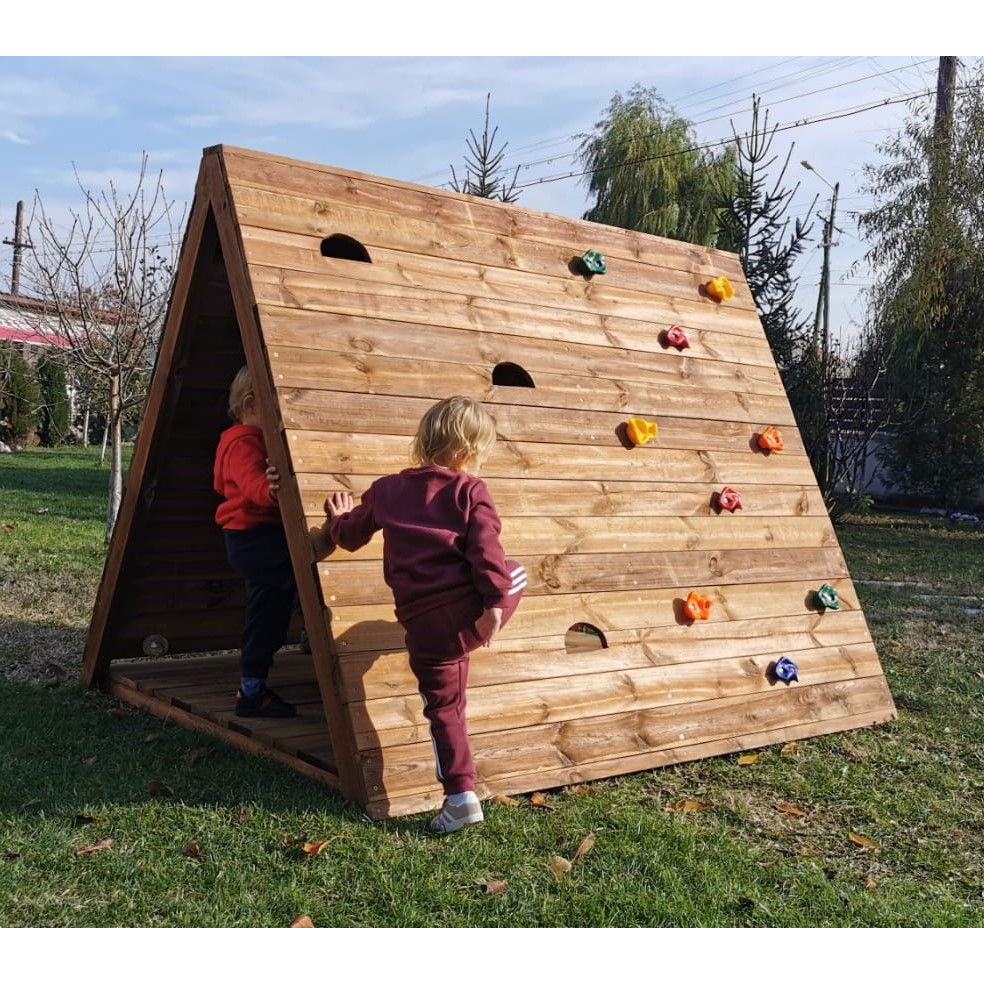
(863, 842)
(314, 848)
(581, 790)
(157, 788)
(538, 799)
(89, 762)
(102, 845)
(8, 527)
(505, 800)
(584, 846)
(153, 736)
(870, 883)
(747, 759)
(790, 749)
(30, 804)
(688, 805)
(244, 814)
(302, 922)
(82, 820)
(196, 755)
(58, 672)
(559, 866)
(809, 852)
(793, 811)
(497, 886)
(192, 850)
(121, 713)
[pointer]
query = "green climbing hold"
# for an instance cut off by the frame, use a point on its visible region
(593, 262)
(827, 597)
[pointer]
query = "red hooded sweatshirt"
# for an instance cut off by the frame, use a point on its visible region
(240, 478)
(440, 538)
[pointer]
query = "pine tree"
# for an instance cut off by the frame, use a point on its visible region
(53, 417)
(20, 397)
(484, 177)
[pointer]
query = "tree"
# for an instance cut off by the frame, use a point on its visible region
(20, 398)
(483, 171)
(755, 224)
(53, 418)
(927, 256)
(646, 172)
(107, 280)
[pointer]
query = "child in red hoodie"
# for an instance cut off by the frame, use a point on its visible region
(453, 587)
(257, 548)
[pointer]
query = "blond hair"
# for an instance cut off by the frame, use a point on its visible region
(242, 386)
(453, 432)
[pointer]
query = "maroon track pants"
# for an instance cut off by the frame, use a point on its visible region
(439, 642)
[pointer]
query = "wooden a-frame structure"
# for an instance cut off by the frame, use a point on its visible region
(357, 301)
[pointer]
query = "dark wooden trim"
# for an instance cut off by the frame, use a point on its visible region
(324, 654)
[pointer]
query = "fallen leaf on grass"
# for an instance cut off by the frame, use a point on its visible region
(505, 800)
(497, 886)
(157, 788)
(790, 749)
(748, 759)
(121, 713)
(559, 866)
(244, 814)
(314, 848)
(687, 805)
(89, 762)
(581, 790)
(793, 811)
(302, 922)
(41, 512)
(153, 736)
(30, 804)
(102, 845)
(863, 842)
(54, 669)
(192, 850)
(584, 846)
(539, 800)
(8, 528)
(870, 883)
(196, 755)
(82, 820)
(809, 852)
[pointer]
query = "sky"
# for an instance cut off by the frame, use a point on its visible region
(407, 118)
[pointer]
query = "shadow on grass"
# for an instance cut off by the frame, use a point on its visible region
(66, 753)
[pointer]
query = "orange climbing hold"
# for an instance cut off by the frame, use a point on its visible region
(641, 431)
(697, 607)
(771, 439)
(720, 289)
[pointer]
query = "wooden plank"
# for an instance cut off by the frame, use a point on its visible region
(324, 652)
(328, 452)
(301, 254)
(407, 200)
(370, 374)
(386, 806)
(317, 410)
(393, 721)
(546, 748)
(370, 676)
(626, 282)
(602, 535)
(531, 497)
(169, 712)
(370, 628)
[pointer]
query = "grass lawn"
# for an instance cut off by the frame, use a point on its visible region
(74, 774)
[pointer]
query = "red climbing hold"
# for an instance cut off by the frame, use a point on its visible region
(729, 498)
(677, 337)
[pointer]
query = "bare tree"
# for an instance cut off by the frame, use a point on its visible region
(107, 280)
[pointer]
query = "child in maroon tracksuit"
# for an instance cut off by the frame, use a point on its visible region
(453, 587)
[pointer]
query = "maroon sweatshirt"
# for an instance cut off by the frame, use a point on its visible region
(440, 538)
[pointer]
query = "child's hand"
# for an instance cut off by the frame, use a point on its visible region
(273, 480)
(488, 624)
(339, 503)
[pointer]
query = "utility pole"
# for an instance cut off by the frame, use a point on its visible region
(945, 80)
(18, 243)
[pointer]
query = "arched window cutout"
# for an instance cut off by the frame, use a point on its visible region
(342, 247)
(583, 637)
(510, 374)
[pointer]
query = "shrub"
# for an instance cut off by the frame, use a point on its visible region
(20, 397)
(54, 413)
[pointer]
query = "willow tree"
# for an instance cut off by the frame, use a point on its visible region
(647, 173)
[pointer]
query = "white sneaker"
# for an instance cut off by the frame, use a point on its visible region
(452, 818)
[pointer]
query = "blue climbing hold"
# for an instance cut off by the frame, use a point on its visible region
(785, 669)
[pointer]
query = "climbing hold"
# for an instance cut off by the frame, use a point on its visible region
(771, 439)
(826, 596)
(785, 669)
(697, 607)
(593, 262)
(728, 498)
(155, 645)
(720, 289)
(641, 431)
(677, 337)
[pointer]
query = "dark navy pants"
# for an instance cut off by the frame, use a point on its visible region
(260, 555)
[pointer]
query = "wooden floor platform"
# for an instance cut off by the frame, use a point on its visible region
(200, 693)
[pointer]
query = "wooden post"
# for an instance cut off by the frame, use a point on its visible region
(945, 80)
(19, 246)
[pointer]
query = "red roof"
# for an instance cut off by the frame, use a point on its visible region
(21, 320)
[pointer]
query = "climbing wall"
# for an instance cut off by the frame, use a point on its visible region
(615, 535)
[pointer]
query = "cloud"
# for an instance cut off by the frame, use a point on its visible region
(25, 101)
(14, 138)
